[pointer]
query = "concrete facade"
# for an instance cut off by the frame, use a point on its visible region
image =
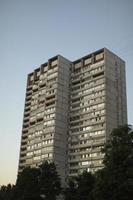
(97, 105)
(45, 123)
(70, 111)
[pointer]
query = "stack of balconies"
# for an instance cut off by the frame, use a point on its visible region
(87, 79)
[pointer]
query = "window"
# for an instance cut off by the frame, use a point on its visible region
(85, 163)
(37, 158)
(37, 151)
(29, 154)
(87, 61)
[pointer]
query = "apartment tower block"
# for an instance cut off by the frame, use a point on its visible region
(70, 111)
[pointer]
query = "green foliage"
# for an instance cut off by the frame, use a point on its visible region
(6, 192)
(85, 187)
(119, 149)
(81, 187)
(49, 181)
(27, 185)
(34, 183)
(70, 191)
(115, 180)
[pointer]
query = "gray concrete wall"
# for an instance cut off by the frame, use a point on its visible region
(116, 105)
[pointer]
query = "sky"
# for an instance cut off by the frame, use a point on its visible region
(31, 32)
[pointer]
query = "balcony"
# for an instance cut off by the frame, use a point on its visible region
(35, 88)
(28, 98)
(24, 142)
(25, 125)
(26, 120)
(24, 136)
(42, 83)
(28, 93)
(23, 153)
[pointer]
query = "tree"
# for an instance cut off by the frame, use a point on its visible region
(6, 192)
(85, 187)
(3, 192)
(115, 180)
(27, 186)
(9, 191)
(34, 184)
(81, 187)
(49, 181)
(70, 191)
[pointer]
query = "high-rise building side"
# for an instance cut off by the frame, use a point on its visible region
(116, 100)
(97, 105)
(70, 111)
(45, 122)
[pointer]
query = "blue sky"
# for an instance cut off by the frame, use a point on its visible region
(32, 31)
